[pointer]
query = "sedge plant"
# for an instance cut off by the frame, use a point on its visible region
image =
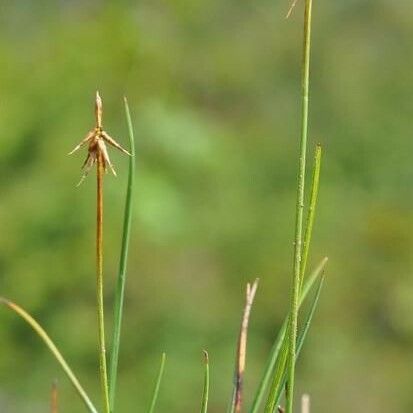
(280, 368)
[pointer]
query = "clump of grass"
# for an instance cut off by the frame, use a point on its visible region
(298, 250)
(279, 371)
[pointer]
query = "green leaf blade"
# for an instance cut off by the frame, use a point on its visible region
(278, 345)
(120, 287)
(157, 384)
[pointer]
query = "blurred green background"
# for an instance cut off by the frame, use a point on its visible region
(214, 87)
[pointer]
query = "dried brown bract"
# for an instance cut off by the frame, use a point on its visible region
(97, 139)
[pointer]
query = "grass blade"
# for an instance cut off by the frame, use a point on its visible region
(303, 265)
(278, 343)
(281, 377)
(311, 212)
(310, 316)
(236, 402)
(278, 376)
(157, 384)
(120, 288)
(53, 349)
(205, 394)
(296, 284)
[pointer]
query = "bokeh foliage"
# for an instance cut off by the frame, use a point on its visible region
(214, 89)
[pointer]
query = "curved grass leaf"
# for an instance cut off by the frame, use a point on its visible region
(53, 349)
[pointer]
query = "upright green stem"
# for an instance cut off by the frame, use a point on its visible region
(120, 287)
(99, 283)
(299, 209)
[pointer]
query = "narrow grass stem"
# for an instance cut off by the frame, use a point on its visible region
(53, 349)
(299, 209)
(311, 212)
(205, 393)
(280, 341)
(280, 374)
(120, 288)
(99, 285)
(157, 384)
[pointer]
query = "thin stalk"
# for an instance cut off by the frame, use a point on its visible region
(310, 316)
(120, 288)
(305, 403)
(299, 208)
(291, 9)
(311, 211)
(157, 384)
(282, 375)
(236, 402)
(278, 375)
(280, 372)
(307, 240)
(53, 398)
(99, 284)
(279, 360)
(205, 393)
(53, 349)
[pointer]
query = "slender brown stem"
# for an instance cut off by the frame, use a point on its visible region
(53, 398)
(242, 346)
(99, 283)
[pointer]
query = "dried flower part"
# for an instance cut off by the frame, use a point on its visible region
(97, 140)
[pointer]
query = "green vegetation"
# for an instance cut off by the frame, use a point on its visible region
(213, 88)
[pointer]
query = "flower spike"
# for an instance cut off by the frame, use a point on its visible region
(97, 139)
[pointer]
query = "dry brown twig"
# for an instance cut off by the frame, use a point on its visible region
(305, 403)
(242, 344)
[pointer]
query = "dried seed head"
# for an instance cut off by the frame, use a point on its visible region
(97, 139)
